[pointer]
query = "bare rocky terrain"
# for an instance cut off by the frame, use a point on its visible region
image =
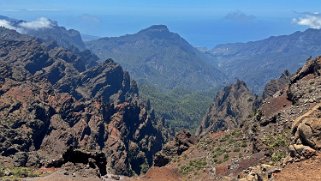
(233, 104)
(65, 116)
(279, 141)
(61, 109)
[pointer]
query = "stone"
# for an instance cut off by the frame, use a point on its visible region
(115, 177)
(64, 101)
(232, 105)
(183, 140)
(301, 150)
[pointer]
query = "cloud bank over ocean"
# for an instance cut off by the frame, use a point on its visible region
(311, 20)
(21, 27)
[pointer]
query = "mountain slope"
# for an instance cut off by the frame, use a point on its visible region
(282, 135)
(160, 58)
(259, 61)
(57, 107)
(46, 30)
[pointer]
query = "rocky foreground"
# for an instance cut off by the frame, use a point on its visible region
(63, 116)
(62, 109)
(244, 137)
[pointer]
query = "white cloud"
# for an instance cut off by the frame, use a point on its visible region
(312, 20)
(7, 24)
(40, 23)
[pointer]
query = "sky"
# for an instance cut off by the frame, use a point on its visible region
(204, 23)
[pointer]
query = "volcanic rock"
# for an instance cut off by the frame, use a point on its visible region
(183, 140)
(54, 102)
(275, 86)
(232, 105)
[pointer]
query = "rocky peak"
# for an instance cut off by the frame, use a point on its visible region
(277, 85)
(58, 111)
(311, 69)
(291, 114)
(156, 54)
(303, 88)
(158, 32)
(156, 28)
(232, 105)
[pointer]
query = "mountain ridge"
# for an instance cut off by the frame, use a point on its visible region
(157, 55)
(269, 57)
(54, 109)
(47, 30)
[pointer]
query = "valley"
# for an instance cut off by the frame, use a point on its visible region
(150, 106)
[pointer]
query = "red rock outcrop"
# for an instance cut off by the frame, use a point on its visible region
(57, 106)
(232, 105)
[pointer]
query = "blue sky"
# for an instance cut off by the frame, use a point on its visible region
(201, 22)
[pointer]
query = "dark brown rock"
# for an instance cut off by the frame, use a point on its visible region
(277, 85)
(54, 102)
(183, 140)
(232, 105)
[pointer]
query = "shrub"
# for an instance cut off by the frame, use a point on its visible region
(1, 172)
(144, 168)
(277, 156)
(237, 133)
(244, 144)
(226, 157)
(276, 141)
(237, 149)
(194, 165)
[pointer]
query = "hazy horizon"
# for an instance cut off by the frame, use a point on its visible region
(203, 23)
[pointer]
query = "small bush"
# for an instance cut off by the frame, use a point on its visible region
(144, 167)
(226, 157)
(1, 172)
(276, 141)
(237, 149)
(194, 165)
(218, 152)
(237, 133)
(278, 156)
(20, 172)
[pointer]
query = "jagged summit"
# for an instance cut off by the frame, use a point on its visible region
(274, 86)
(60, 106)
(311, 67)
(156, 28)
(231, 105)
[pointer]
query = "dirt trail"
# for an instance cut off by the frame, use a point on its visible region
(308, 170)
(160, 174)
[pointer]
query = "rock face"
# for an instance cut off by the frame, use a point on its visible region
(286, 127)
(232, 105)
(305, 83)
(69, 39)
(282, 128)
(183, 140)
(305, 91)
(275, 86)
(58, 107)
(292, 116)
